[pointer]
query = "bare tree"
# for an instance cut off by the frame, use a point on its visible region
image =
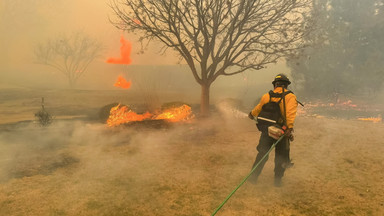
(69, 55)
(218, 37)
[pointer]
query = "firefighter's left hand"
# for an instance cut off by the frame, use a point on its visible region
(289, 133)
(291, 138)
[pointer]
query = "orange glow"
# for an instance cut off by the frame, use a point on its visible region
(122, 83)
(372, 119)
(349, 103)
(122, 115)
(137, 21)
(125, 53)
(176, 114)
(346, 104)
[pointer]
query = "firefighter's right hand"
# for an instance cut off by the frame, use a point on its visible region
(251, 116)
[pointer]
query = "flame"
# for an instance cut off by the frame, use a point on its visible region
(125, 52)
(373, 119)
(122, 115)
(122, 83)
(349, 103)
(346, 104)
(176, 114)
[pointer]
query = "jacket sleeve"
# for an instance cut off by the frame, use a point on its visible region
(264, 99)
(291, 106)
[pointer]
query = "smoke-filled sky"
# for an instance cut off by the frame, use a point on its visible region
(24, 24)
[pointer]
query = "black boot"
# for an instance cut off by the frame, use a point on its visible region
(278, 182)
(288, 164)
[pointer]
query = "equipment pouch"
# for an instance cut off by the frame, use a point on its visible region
(275, 131)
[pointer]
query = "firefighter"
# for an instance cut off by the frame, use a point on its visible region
(284, 106)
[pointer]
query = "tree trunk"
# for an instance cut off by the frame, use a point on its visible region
(204, 102)
(72, 83)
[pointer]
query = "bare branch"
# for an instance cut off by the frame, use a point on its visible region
(217, 36)
(69, 55)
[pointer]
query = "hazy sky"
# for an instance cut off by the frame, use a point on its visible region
(29, 22)
(25, 23)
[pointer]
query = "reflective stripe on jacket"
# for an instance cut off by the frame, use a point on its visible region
(290, 104)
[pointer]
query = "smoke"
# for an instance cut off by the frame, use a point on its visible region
(89, 150)
(231, 108)
(78, 166)
(187, 167)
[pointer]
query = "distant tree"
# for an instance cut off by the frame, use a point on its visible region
(69, 55)
(218, 37)
(346, 55)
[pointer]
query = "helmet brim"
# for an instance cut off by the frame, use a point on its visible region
(284, 81)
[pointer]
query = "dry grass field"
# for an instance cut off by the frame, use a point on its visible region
(79, 166)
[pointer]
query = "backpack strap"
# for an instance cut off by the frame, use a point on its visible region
(278, 95)
(282, 97)
(270, 95)
(285, 109)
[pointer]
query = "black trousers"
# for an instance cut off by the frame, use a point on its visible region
(281, 155)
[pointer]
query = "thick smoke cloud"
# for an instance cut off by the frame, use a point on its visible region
(24, 25)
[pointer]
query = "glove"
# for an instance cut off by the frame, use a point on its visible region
(289, 133)
(291, 138)
(251, 116)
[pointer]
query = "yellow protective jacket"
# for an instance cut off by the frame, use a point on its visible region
(290, 104)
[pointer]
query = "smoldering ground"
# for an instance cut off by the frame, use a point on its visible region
(86, 168)
(109, 170)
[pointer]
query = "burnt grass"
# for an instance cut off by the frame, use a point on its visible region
(80, 166)
(189, 169)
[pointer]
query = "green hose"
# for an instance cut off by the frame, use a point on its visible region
(245, 179)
